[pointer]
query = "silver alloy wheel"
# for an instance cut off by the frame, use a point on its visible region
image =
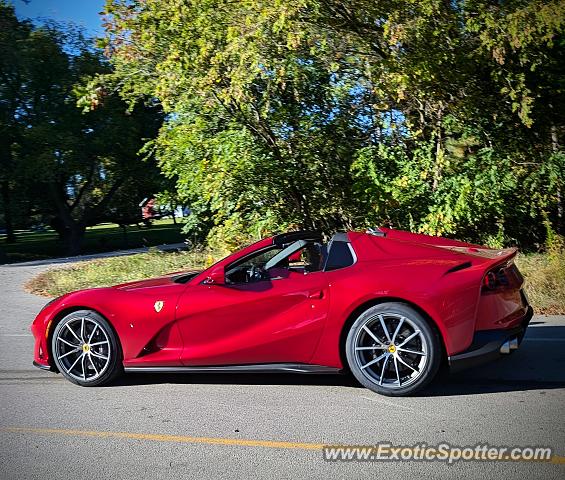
(82, 348)
(390, 350)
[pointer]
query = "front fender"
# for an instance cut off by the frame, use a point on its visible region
(132, 314)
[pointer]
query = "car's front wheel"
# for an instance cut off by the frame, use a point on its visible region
(86, 349)
(393, 350)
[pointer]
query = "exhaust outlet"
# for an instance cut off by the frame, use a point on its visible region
(509, 345)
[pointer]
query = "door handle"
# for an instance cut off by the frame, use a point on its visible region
(318, 294)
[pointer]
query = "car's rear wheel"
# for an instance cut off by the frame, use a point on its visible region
(393, 350)
(86, 349)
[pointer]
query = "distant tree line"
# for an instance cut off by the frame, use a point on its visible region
(59, 166)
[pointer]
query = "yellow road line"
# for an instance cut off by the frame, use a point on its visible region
(169, 438)
(555, 459)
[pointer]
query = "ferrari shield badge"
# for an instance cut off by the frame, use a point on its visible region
(159, 305)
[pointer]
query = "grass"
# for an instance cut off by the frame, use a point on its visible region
(544, 273)
(112, 271)
(545, 281)
(100, 238)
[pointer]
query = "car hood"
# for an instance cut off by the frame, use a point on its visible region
(169, 279)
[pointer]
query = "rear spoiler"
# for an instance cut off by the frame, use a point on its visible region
(490, 257)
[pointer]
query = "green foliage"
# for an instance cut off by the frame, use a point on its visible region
(440, 117)
(76, 169)
(520, 36)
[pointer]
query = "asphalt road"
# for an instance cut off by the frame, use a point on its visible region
(258, 426)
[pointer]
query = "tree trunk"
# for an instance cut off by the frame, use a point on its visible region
(7, 202)
(74, 229)
(71, 233)
(439, 152)
(125, 234)
(558, 193)
(76, 235)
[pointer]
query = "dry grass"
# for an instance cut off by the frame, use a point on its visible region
(112, 271)
(545, 281)
(544, 273)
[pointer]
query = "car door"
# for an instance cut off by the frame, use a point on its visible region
(272, 320)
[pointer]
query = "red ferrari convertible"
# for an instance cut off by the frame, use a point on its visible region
(387, 305)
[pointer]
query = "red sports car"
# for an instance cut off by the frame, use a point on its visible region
(388, 305)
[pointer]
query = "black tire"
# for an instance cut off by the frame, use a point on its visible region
(367, 342)
(71, 343)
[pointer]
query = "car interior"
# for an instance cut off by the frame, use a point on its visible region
(301, 256)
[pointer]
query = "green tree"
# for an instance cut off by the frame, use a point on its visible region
(12, 34)
(78, 165)
(442, 117)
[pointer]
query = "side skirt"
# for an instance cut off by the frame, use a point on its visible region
(259, 368)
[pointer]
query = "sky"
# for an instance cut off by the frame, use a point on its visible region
(80, 12)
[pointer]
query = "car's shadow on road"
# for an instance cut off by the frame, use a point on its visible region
(539, 364)
(215, 378)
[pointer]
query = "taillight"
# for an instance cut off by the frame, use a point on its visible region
(489, 282)
(495, 279)
(502, 278)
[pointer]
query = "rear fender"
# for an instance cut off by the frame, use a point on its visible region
(502, 303)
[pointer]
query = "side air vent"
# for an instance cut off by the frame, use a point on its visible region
(184, 277)
(456, 268)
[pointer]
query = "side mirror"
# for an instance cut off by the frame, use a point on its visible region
(216, 277)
